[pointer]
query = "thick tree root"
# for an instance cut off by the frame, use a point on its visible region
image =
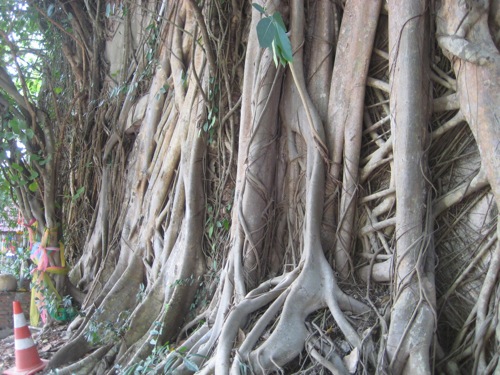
(92, 363)
(312, 290)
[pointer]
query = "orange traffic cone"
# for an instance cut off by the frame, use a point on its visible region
(27, 359)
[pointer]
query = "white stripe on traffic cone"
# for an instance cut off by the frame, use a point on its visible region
(27, 359)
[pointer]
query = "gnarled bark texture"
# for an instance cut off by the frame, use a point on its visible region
(337, 213)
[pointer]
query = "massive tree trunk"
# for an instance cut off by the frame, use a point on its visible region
(334, 213)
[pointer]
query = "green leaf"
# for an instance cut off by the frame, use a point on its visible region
(58, 90)
(259, 8)
(17, 167)
(284, 46)
(266, 32)
(279, 21)
(169, 364)
(33, 186)
(30, 133)
(190, 365)
(14, 125)
(275, 52)
(9, 136)
(50, 10)
(184, 78)
(162, 91)
(271, 32)
(78, 193)
(34, 157)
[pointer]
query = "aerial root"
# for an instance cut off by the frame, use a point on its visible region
(322, 349)
(308, 293)
(293, 297)
(334, 364)
(201, 342)
(239, 316)
(484, 328)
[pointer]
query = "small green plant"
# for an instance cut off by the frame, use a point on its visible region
(244, 368)
(154, 31)
(271, 32)
(103, 332)
(92, 334)
(60, 309)
(162, 91)
(162, 357)
(186, 360)
(180, 282)
(156, 332)
(118, 90)
(141, 293)
(213, 223)
(147, 365)
(200, 297)
(77, 195)
(210, 124)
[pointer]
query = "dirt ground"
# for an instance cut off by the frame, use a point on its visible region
(48, 342)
